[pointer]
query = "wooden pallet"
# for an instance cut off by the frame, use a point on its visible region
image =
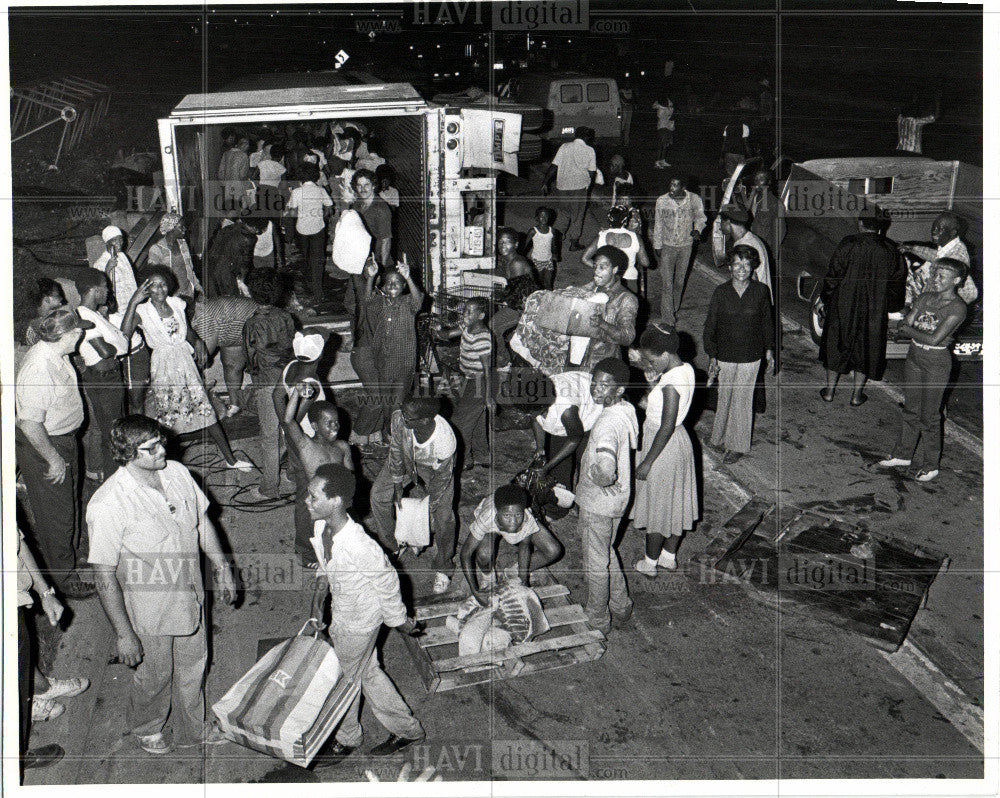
(569, 641)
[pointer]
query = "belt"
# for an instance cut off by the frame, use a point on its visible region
(928, 347)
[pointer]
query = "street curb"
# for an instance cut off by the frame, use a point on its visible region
(967, 440)
(962, 710)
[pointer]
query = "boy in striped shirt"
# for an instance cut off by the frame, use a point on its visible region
(475, 357)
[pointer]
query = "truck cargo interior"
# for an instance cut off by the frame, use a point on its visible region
(397, 139)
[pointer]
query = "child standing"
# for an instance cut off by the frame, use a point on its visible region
(543, 247)
(603, 491)
(309, 454)
(664, 130)
(386, 355)
(666, 496)
(475, 361)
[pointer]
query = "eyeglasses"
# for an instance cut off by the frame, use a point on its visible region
(151, 447)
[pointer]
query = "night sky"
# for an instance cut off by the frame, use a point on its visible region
(841, 64)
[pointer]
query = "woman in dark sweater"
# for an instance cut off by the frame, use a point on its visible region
(739, 331)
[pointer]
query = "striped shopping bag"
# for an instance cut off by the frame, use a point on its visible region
(290, 702)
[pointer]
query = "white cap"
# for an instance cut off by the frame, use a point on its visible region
(308, 347)
(110, 232)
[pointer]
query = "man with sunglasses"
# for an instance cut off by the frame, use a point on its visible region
(147, 523)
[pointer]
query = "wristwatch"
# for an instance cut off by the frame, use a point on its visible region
(50, 592)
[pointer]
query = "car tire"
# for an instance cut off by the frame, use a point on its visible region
(529, 148)
(817, 316)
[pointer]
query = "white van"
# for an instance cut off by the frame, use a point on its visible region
(571, 99)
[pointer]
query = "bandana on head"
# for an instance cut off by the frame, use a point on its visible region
(170, 221)
(110, 232)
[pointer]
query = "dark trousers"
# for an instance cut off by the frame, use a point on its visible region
(925, 376)
(303, 521)
(56, 528)
(314, 253)
(105, 391)
(25, 671)
(469, 418)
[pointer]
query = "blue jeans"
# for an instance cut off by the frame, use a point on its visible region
(607, 590)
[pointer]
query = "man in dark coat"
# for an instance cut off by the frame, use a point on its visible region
(866, 280)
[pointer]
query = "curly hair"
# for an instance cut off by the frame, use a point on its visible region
(747, 253)
(367, 174)
(160, 271)
(128, 433)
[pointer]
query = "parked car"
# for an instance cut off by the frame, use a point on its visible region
(822, 199)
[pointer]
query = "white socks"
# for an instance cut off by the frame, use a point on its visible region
(665, 560)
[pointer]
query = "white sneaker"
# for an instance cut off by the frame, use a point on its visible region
(241, 465)
(441, 583)
(64, 688)
(646, 568)
(667, 561)
(893, 462)
(43, 709)
(927, 476)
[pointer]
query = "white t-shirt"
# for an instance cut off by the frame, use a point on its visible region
(102, 329)
(438, 447)
(575, 160)
(631, 250)
(572, 390)
(270, 173)
(541, 245)
(309, 199)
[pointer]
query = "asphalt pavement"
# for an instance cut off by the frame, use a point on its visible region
(705, 682)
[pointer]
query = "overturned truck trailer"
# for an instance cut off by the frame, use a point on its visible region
(445, 158)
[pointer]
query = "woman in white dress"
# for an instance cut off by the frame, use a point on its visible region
(666, 496)
(177, 398)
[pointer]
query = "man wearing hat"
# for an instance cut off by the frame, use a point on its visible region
(121, 275)
(736, 225)
(49, 412)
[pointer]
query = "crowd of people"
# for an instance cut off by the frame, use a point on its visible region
(129, 358)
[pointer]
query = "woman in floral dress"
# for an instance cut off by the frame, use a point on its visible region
(177, 397)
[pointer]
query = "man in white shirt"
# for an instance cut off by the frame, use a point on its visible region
(311, 204)
(574, 169)
(422, 451)
(947, 244)
(147, 523)
(117, 266)
(49, 413)
(364, 594)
